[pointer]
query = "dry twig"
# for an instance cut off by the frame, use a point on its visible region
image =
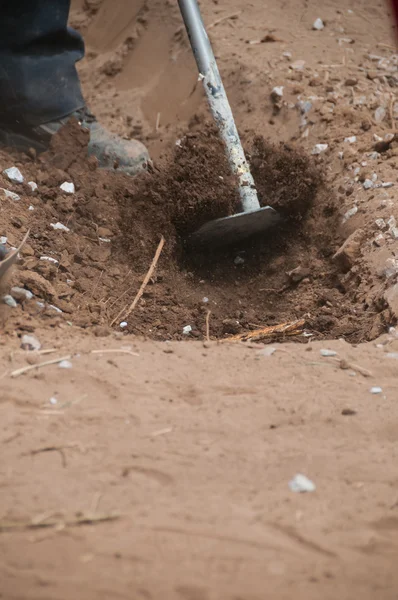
(79, 519)
(288, 329)
(208, 325)
(222, 19)
(144, 283)
(46, 363)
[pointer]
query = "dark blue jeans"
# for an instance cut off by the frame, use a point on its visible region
(38, 52)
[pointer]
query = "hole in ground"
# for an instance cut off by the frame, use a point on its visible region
(286, 276)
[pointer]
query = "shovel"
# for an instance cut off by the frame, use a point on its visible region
(253, 219)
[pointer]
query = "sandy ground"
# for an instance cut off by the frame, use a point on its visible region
(155, 468)
(195, 461)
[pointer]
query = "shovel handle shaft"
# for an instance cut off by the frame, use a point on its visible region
(218, 101)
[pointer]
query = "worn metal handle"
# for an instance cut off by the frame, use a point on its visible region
(218, 101)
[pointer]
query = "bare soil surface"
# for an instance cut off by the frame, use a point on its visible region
(157, 465)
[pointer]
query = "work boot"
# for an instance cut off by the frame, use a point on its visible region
(130, 156)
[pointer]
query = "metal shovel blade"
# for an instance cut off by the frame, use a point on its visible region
(228, 230)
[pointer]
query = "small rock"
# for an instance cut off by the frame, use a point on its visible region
(33, 185)
(187, 329)
(3, 252)
(319, 148)
(328, 353)
(9, 194)
(318, 24)
(298, 274)
(60, 226)
(351, 140)
(30, 342)
(368, 184)
(14, 174)
(37, 284)
(68, 187)
(231, 326)
(20, 294)
(379, 240)
(350, 213)
(346, 256)
(9, 301)
(297, 65)
(391, 297)
(104, 232)
(205, 300)
(376, 390)
(101, 331)
(52, 307)
(301, 484)
(390, 268)
(380, 114)
(53, 401)
(348, 412)
(49, 259)
(351, 81)
(394, 233)
(31, 207)
(277, 94)
(65, 364)
(380, 223)
(123, 325)
(239, 260)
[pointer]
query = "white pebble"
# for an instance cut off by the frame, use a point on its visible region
(187, 329)
(318, 24)
(65, 364)
(59, 226)
(350, 213)
(53, 401)
(33, 185)
(368, 184)
(205, 300)
(301, 483)
(376, 390)
(380, 114)
(31, 207)
(351, 139)
(394, 233)
(30, 342)
(381, 224)
(14, 174)
(68, 187)
(239, 260)
(319, 148)
(328, 353)
(3, 239)
(49, 259)
(123, 324)
(9, 301)
(52, 307)
(277, 92)
(21, 294)
(10, 195)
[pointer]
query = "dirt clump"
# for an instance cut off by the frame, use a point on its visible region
(285, 177)
(193, 187)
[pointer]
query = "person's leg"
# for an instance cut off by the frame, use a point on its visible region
(38, 52)
(40, 88)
